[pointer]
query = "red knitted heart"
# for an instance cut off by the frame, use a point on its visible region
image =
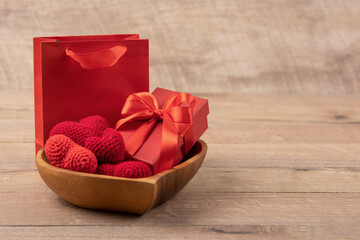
(128, 169)
(78, 132)
(94, 133)
(106, 169)
(81, 159)
(73, 130)
(109, 148)
(132, 169)
(97, 124)
(56, 148)
(62, 152)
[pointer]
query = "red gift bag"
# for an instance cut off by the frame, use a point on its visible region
(79, 76)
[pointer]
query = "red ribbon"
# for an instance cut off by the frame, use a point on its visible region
(177, 117)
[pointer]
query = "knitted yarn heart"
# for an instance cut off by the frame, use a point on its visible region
(106, 169)
(78, 132)
(62, 152)
(127, 169)
(132, 169)
(56, 148)
(97, 124)
(109, 148)
(94, 133)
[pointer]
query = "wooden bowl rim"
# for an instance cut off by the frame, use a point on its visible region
(152, 179)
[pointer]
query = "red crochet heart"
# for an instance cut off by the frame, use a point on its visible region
(62, 152)
(96, 124)
(56, 148)
(109, 148)
(132, 169)
(127, 169)
(106, 169)
(78, 132)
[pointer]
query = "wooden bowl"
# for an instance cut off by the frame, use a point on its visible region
(116, 193)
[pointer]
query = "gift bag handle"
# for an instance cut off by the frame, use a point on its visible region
(98, 59)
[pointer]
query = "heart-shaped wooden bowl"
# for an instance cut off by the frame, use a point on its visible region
(116, 193)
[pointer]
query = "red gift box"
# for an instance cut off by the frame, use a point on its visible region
(79, 76)
(151, 141)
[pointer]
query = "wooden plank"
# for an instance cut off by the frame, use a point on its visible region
(303, 232)
(211, 46)
(277, 132)
(17, 156)
(35, 207)
(284, 108)
(284, 155)
(276, 180)
(21, 156)
(227, 180)
(17, 131)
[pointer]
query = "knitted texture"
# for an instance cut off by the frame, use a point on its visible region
(81, 159)
(96, 124)
(56, 148)
(62, 152)
(109, 148)
(106, 169)
(94, 134)
(73, 130)
(132, 169)
(78, 132)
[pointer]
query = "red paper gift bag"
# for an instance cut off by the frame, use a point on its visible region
(79, 76)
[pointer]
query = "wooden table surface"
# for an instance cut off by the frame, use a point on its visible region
(277, 166)
(282, 79)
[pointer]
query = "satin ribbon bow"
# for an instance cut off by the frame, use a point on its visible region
(176, 115)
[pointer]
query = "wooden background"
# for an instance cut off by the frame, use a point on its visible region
(282, 78)
(239, 46)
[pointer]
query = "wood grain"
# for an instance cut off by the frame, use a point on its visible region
(43, 208)
(301, 232)
(236, 46)
(233, 179)
(281, 166)
(282, 79)
(278, 167)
